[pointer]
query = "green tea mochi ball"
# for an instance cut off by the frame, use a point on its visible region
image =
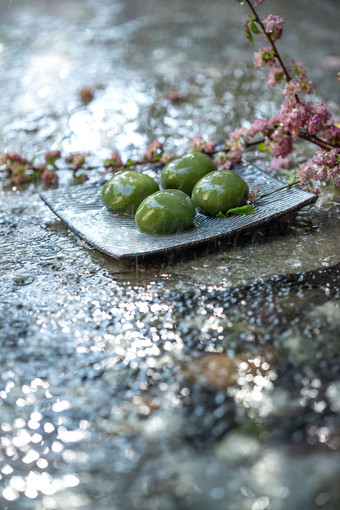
(165, 212)
(126, 190)
(183, 173)
(219, 191)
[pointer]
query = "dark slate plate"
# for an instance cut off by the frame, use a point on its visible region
(81, 208)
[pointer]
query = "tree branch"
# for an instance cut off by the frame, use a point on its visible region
(304, 135)
(273, 45)
(277, 55)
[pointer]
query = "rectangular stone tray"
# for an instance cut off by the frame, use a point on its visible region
(81, 209)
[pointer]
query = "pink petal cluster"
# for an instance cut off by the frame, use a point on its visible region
(274, 26)
(153, 151)
(198, 144)
(7, 158)
(305, 84)
(51, 157)
(113, 160)
(293, 116)
(226, 160)
(332, 135)
(17, 167)
(77, 160)
(276, 75)
(264, 126)
(264, 57)
(49, 176)
(223, 161)
(280, 143)
(291, 89)
(324, 166)
(279, 162)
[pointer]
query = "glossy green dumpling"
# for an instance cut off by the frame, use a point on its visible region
(183, 173)
(165, 212)
(219, 191)
(126, 190)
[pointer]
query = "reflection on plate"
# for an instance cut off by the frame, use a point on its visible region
(81, 208)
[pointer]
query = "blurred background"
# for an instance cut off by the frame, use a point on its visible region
(134, 53)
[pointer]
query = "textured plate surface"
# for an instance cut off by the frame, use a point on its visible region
(81, 208)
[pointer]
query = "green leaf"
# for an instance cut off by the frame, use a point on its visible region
(130, 162)
(254, 28)
(262, 147)
(245, 209)
(291, 178)
(247, 32)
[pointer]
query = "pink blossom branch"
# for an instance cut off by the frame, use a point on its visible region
(277, 55)
(317, 141)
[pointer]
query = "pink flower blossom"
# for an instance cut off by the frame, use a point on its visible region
(291, 89)
(12, 157)
(49, 177)
(276, 75)
(298, 68)
(324, 114)
(77, 160)
(226, 160)
(294, 116)
(198, 144)
(223, 161)
(238, 134)
(51, 157)
(332, 134)
(314, 125)
(264, 126)
(279, 162)
(236, 147)
(305, 84)
(274, 26)
(280, 144)
(113, 160)
(264, 57)
(153, 151)
(329, 158)
(324, 166)
(306, 173)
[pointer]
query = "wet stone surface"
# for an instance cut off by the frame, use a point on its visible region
(195, 381)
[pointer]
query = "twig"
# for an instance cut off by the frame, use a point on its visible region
(288, 186)
(317, 141)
